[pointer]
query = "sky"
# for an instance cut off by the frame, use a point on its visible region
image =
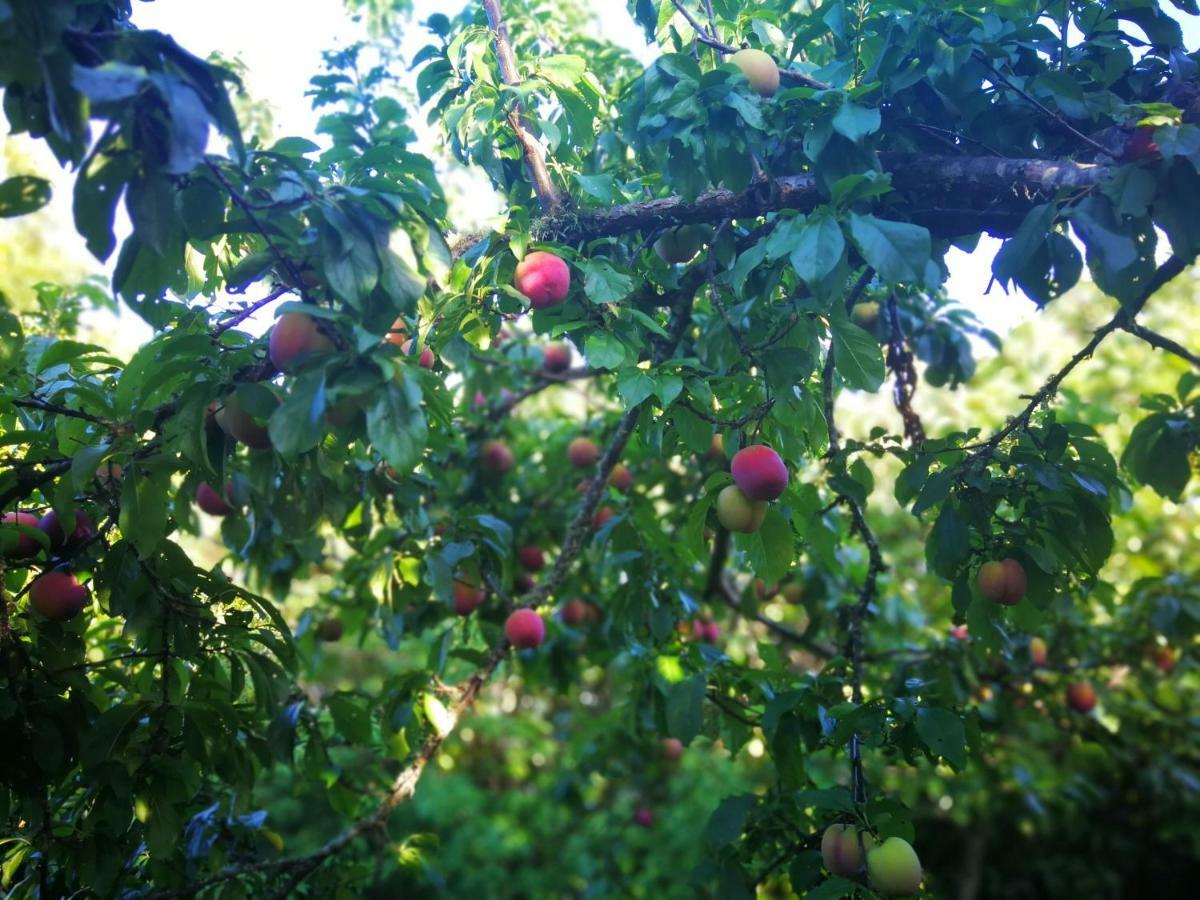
(281, 41)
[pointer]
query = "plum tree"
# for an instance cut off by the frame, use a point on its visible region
(556, 358)
(544, 278)
(621, 478)
(209, 500)
(294, 338)
(759, 472)
(843, 849)
(496, 457)
(1002, 581)
(468, 596)
(532, 558)
(894, 869)
(739, 513)
(679, 269)
(583, 452)
(679, 245)
(760, 70)
(1037, 652)
(20, 544)
(59, 539)
(57, 596)
(1081, 696)
(525, 629)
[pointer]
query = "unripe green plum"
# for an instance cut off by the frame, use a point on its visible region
(760, 70)
(841, 850)
(739, 513)
(866, 316)
(679, 245)
(894, 869)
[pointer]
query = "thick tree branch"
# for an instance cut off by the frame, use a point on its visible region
(535, 158)
(952, 195)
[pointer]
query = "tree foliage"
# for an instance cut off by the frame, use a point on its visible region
(188, 733)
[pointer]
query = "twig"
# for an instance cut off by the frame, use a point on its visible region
(249, 311)
(1124, 317)
(1045, 110)
(43, 406)
(1162, 342)
(547, 194)
(244, 205)
(755, 415)
(711, 40)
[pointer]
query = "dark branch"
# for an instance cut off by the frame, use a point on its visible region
(1162, 342)
(953, 196)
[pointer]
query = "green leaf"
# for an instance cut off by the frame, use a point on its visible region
(23, 194)
(949, 542)
(942, 732)
(898, 251)
(602, 283)
(856, 122)
(350, 717)
(396, 425)
(635, 385)
(298, 425)
(818, 249)
(144, 507)
(685, 708)
(857, 354)
(727, 821)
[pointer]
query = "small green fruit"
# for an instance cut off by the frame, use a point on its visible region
(894, 868)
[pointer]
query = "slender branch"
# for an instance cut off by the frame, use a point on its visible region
(731, 711)
(755, 415)
(1002, 79)
(535, 159)
(249, 311)
(43, 406)
(244, 205)
(1124, 318)
(1162, 342)
(729, 595)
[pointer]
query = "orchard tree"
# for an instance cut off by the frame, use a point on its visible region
(719, 247)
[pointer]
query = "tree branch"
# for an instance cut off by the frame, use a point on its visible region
(1121, 321)
(954, 195)
(249, 311)
(535, 159)
(1162, 342)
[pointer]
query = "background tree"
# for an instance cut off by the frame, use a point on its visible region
(452, 443)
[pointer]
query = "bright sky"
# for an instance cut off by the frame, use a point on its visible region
(281, 47)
